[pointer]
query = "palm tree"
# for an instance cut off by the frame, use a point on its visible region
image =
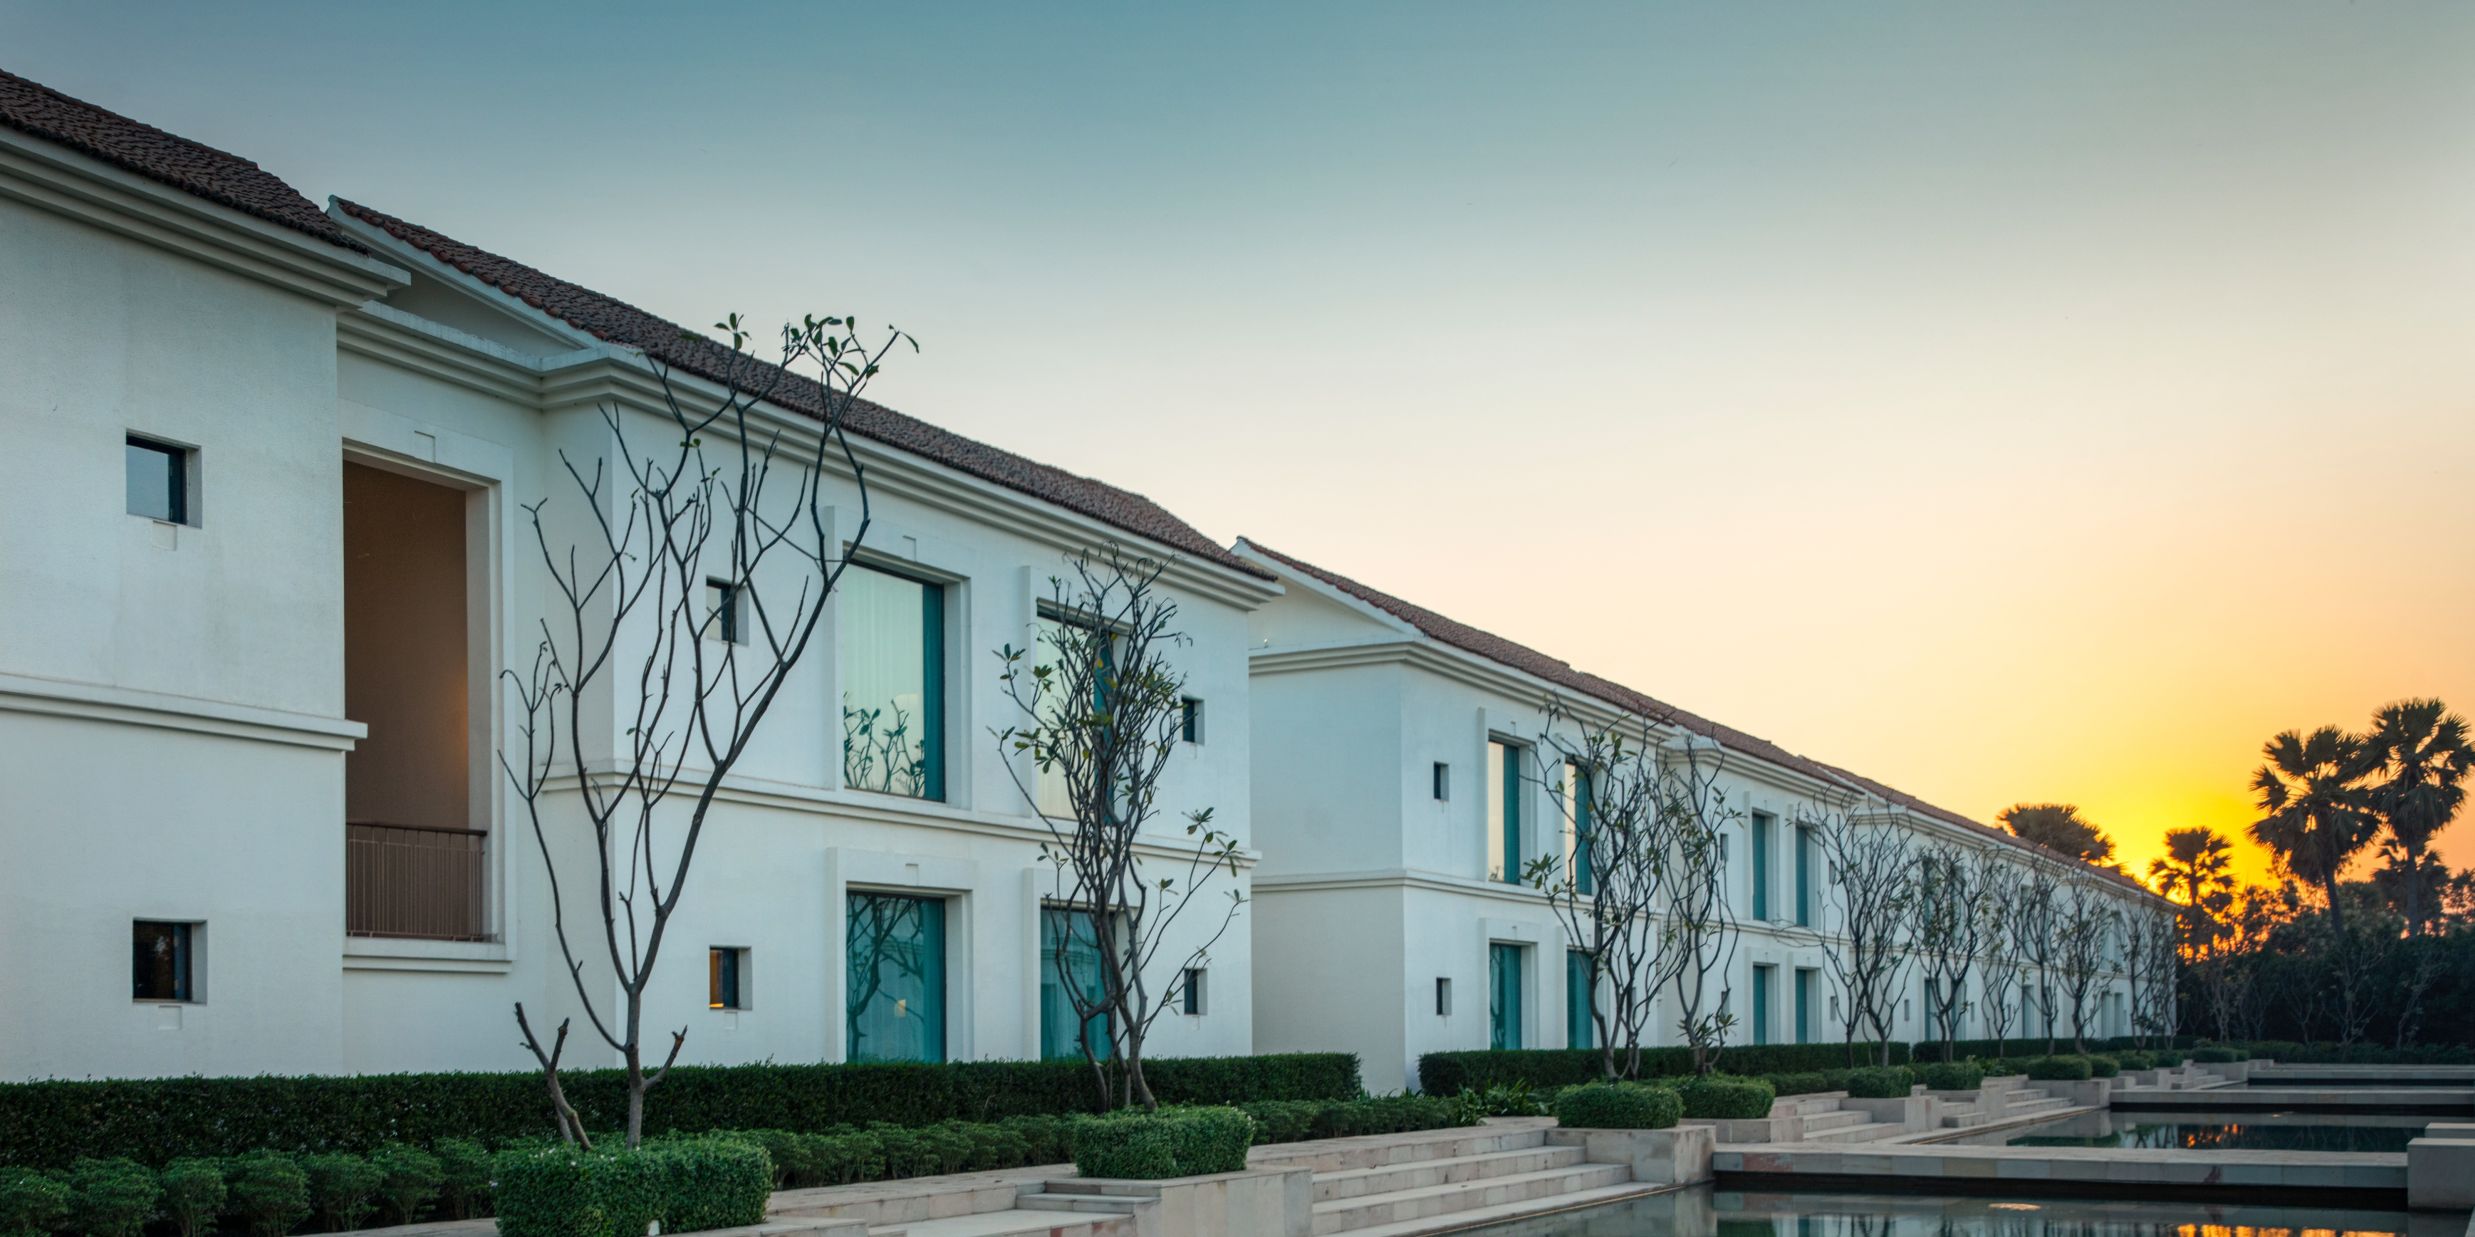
(2314, 810)
(2199, 866)
(2058, 827)
(2423, 756)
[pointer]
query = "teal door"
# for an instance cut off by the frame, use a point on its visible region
(1071, 930)
(1580, 997)
(895, 1009)
(1804, 1007)
(1504, 997)
(1761, 1004)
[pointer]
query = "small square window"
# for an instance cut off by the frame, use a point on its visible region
(726, 972)
(1190, 723)
(1190, 991)
(162, 956)
(158, 479)
(722, 609)
(1443, 781)
(1443, 997)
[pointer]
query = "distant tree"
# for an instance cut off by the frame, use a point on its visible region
(1700, 919)
(1099, 709)
(1948, 922)
(2315, 810)
(2036, 914)
(2422, 758)
(2058, 827)
(1869, 894)
(2198, 868)
(2085, 925)
(2000, 952)
(2151, 963)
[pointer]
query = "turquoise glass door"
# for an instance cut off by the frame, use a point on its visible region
(1804, 1007)
(895, 1008)
(1761, 1004)
(1504, 997)
(1580, 997)
(1081, 942)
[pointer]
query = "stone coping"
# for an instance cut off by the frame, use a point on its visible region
(2324, 1099)
(2107, 1168)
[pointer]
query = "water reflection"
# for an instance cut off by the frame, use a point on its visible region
(1709, 1212)
(2217, 1131)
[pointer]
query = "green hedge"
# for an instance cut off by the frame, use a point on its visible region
(564, 1192)
(2102, 1066)
(1617, 1106)
(1172, 1142)
(155, 1121)
(2059, 1069)
(711, 1181)
(1716, 1097)
(1881, 1082)
(32, 1203)
(2216, 1054)
(1951, 1075)
(1450, 1073)
(2026, 1045)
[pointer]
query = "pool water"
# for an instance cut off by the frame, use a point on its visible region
(1709, 1212)
(2221, 1131)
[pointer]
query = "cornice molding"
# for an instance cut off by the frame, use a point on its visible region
(61, 181)
(97, 702)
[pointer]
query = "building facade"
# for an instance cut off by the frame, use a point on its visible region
(266, 559)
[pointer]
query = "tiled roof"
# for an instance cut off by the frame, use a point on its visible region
(191, 167)
(618, 322)
(1539, 665)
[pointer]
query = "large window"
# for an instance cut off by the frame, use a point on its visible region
(1504, 997)
(1503, 812)
(1804, 1006)
(1072, 931)
(1761, 1003)
(1575, 794)
(896, 974)
(1054, 799)
(1804, 876)
(893, 684)
(1761, 866)
(1580, 998)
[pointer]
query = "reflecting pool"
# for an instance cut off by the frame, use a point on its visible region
(1710, 1212)
(2218, 1131)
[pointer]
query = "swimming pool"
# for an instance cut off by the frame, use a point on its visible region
(2218, 1131)
(1708, 1212)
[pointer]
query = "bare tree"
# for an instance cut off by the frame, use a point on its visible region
(630, 698)
(2152, 966)
(1871, 886)
(1101, 709)
(1701, 925)
(1606, 885)
(1999, 951)
(2036, 913)
(1947, 927)
(2084, 925)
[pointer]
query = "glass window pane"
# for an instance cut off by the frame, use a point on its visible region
(896, 975)
(1504, 997)
(1580, 998)
(1082, 955)
(1503, 812)
(893, 670)
(1053, 797)
(155, 475)
(159, 957)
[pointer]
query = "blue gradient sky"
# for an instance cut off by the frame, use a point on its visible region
(2015, 402)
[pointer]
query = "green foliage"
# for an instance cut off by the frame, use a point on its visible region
(267, 1192)
(1880, 1082)
(2216, 1054)
(1504, 1099)
(1718, 1097)
(2103, 1066)
(564, 1192)
(112, 1198)
(464, 1177)
(32, 1203)
(1951, 1075)
(1617, 1106)
(408, 1179)
(53, 1124)
(711, 1181)
(1173, 1142)
(1803, 1082)
(1451, 1073)
(2058, 1069)
(2133, 1061)
(343, 1189)
(192, 1195)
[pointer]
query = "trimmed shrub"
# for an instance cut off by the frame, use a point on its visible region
(1617, 1106)
(1880, 1082)
(1172, 1142)
(32, 1203)
(2058, 1069)
(343, 1189)
(564, 1192)
(267, 1192)
(465, 1172)
(1804, 1083)
(408, 1179)
(53, 1124)
(192, 1195)
(711, 1181)
(112, 1198)
(1951, 1076)
(1717, 1097)
(2216, 1054)
(2133, 1061)
(2103, 1066)
(2169, 1058)
(1451, 1073)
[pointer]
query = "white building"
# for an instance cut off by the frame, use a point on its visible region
(262, 560)
(1397, 795)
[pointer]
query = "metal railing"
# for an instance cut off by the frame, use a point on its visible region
(416, 881)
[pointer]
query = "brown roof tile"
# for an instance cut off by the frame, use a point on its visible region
(608, 318)
(1539, 665)
(191, 167)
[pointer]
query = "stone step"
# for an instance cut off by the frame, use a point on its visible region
(1505, 1213)
(1964, 1118)
(1340, 1155)
(2022, 1095)
(1418, 1174)
(2048, 1104)
(1867, 1132)
(1348, 1215)
(1807, 1105)
(1013, 1223)
(1835, 1119)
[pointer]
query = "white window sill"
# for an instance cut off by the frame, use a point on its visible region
(375, 953)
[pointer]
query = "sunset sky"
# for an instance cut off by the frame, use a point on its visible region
(2010, 402)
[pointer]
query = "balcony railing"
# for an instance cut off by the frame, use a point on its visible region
(416, 881)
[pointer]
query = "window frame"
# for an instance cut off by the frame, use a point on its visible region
(180, 498)
(184, 967)
(1505, 853)
(727, 979)
(935, 612)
